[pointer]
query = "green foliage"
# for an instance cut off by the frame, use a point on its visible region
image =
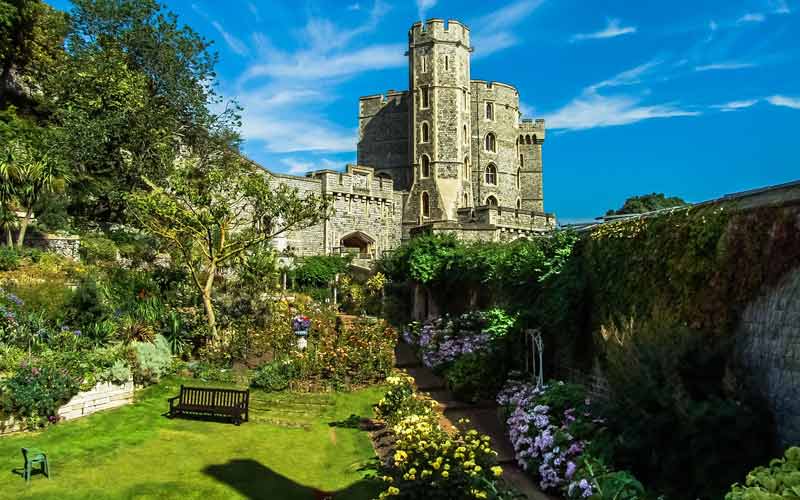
(118, 373)
(151, 360)
(606, 484)
(778, 481)
(275, 375)
(96, 249)
(36, 392)
(319, 270)
(647, 203)
(475, 376)
(9, 258)
(675, 423)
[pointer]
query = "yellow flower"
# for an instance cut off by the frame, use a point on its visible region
(497, 471)
(445, 474)
(392, 491)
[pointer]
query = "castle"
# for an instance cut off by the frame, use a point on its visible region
(449, 155)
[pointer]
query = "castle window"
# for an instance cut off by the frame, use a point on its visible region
(491, 175)
(424, 97)
(422, 66)
(466, 168)
(491, 201)
(425, 204)
(466, 200)
(425, 168)
(521, 161)
(527, 139)
(425, 132)
(490, 143)
(466, 135)
(519, 204)
(490, 111)
(518, 178)
(446, 62)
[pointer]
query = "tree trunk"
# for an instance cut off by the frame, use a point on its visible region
(207, 304)
(24, 226)
(9, 240)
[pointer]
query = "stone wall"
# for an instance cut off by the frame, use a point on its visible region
(103, 396)
(383, 135)
(768, 342)
(66, 246)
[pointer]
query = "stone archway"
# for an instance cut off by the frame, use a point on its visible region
(359, 243)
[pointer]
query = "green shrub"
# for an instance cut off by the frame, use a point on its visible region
(119, 373)
(151, 360)
(474, 376)
(319, 271)
(97, 249)
(593, 480)
(275, 375)
(205, 370)
(780, 480)
(9, 258)
(35, 392)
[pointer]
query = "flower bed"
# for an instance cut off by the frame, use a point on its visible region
(558, 438)
(429, 462)
(470, 351)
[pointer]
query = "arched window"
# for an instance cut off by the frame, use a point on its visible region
(534, 139)
(425, 168)
(425, 204)
(490, 111)
(464, 96)
(519, 171)
(425, 100)
(466, 200)
(425, 134)
(490, 143)
(521, 161)
(519, 204)
(422, 64)
(527, 139)
(491, 175)
(446, 62)
(466, 168)
(466, 135)
(491, 201)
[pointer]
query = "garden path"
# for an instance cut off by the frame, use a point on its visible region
(482, 416)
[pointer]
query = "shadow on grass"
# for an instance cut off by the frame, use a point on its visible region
(255, 481)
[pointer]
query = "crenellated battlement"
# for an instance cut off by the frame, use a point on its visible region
(438, 30)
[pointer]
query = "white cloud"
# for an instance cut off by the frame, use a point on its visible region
(284, 134)
(311, 66)
(724, 66)
(628, 77)
(423, 6)
(234, 43)
(735, 105)
(299, 166)
(752, 17)
(592, 110)
(496, 31)
(354, 6)
(780, 7)
(613, 29)
(785, 101)
(254, 10)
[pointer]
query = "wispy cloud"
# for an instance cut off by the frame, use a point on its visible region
(780, 7)
(735, 105)
(298, 166)
(613, 29)
(254, 11)
(592, 110)
(496, 31)
(725, 66)
(784, 101)
(628, 77)
(752, 17)
(234, 43)
(423, 6)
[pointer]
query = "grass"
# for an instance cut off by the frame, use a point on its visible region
(288, 450)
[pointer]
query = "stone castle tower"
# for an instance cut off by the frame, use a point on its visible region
(458, 147)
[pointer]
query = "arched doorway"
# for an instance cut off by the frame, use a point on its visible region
(358, 243)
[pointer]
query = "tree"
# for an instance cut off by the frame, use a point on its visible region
(647, 203)
(213, 207)
(27, 176)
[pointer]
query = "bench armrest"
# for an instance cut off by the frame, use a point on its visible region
(172, 402)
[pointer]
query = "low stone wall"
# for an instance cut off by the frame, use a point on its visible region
(102, 396)
(66, 246)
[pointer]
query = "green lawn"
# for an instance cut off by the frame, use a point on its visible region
(288, 450)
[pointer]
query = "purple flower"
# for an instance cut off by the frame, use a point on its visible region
(571, 467)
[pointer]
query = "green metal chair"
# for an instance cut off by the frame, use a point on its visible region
(33, 457)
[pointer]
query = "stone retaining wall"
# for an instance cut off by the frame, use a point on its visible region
(102, 396)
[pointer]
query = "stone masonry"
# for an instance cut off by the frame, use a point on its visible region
(449, 155)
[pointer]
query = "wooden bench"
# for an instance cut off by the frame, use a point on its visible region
(209, 401)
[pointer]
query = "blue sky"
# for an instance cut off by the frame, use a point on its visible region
(690, 98)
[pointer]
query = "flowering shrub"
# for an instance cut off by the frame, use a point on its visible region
(35, 392)
(554, 431)
(430, 463)
(778, 481)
